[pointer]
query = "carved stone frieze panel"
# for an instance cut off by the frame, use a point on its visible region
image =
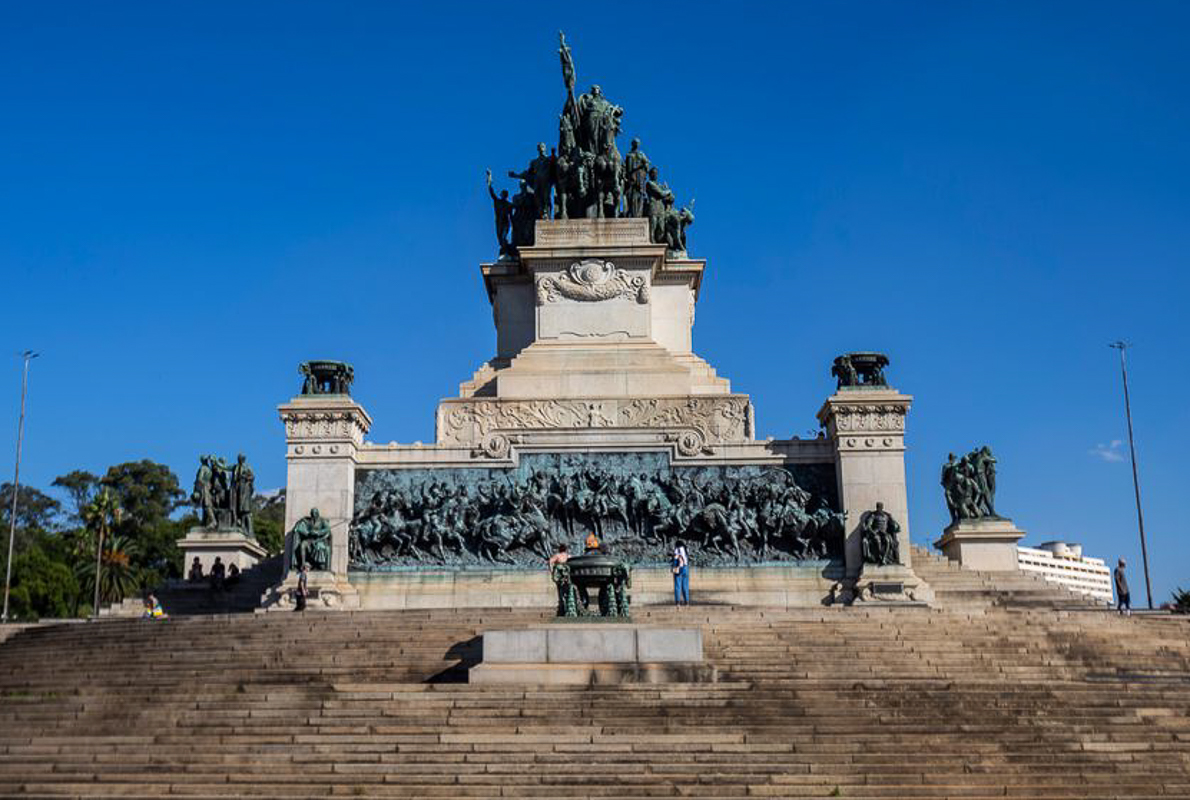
(314, 425)
(591, 280)
(876, 418)
(697, 423)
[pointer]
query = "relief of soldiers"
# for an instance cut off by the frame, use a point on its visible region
(500, 520)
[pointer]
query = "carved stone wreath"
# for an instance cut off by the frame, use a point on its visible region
(592, 280)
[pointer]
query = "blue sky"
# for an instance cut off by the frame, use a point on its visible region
(197, 196)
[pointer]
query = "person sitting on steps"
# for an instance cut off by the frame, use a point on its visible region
(218, 572)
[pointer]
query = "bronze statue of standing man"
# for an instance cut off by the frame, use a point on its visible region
(503, 208)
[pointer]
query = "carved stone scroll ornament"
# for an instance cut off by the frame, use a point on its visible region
(698, 423)
(592, 280)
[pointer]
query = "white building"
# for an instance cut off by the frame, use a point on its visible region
(1062, 563)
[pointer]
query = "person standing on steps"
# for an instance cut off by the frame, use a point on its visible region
(681, 570)
(302, 590)
(1123, 599)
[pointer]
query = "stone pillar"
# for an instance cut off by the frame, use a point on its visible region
(867, 428)
(323, 434)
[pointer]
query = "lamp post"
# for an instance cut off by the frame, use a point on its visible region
(1140, 517)
(28, 355)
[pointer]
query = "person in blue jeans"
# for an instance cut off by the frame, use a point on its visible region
(681, 570)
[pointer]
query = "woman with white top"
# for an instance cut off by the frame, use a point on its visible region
(681, 570)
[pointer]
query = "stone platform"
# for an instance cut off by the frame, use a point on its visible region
(781, 586)
(592, 652)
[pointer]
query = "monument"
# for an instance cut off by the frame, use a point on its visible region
(595, 415)
(223, 497)
(977, 537)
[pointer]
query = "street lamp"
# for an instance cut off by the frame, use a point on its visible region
(28, 355)
(1140, 517)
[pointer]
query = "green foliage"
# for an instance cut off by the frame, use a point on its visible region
(41, 586)
(130, 507)
(1181, 601)
(35, 519)
(268, 521)
(148, 493)
(80, 487)
(118, 576)
(36, 512)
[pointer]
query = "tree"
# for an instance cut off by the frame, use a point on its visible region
(1181, 601)
(35, 517)
(41, 586)
(118, 576)
(80, 487)
(35, 511)
(269, 521)
(148, 493)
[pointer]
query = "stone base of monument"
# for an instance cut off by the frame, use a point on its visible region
(893, 584)
(591, 653)
(984, 544)
(805, 585)
(231, 546)
(325, 592)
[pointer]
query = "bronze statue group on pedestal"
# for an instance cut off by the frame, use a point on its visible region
(585, 177)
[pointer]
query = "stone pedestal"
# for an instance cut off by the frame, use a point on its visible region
(983, 544)
(231, 546)
(867, 428)
(327, 592)
(892, 584)
(587, 653)
(323, 434)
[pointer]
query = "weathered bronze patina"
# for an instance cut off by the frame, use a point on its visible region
(605, 576)
(860, 369)
(586, 177)
(970, 485)
(326, 377)
(223, 494)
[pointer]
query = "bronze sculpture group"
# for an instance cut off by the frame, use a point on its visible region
(326, 377)
(970, 485)
(731, 518)
(223, 494)
(860, 369)
(586, 177)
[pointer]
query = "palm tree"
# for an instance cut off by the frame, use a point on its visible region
(101, 515)
(117, 576)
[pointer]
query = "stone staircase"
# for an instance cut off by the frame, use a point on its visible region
(186, 598)
(955, 586)
(997, 697)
